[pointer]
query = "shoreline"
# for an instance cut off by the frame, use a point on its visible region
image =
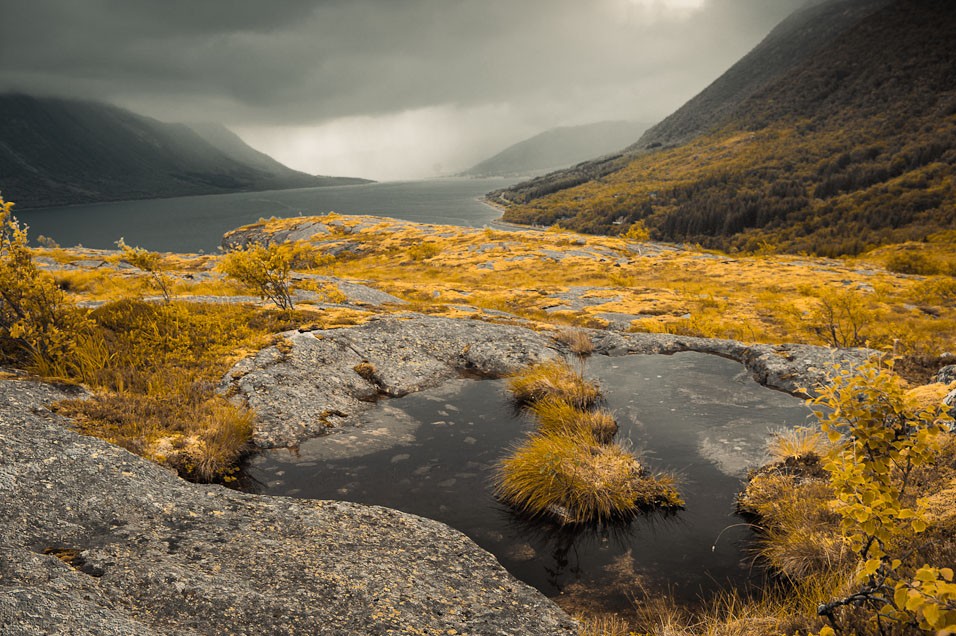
(506, 225)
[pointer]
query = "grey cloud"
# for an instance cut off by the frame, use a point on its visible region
(309, 60)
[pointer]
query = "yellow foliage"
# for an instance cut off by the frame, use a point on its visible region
(266, 269)
(149, 262)
(555, 379)
(37, 320)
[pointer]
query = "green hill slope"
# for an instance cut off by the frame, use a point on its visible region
(58, 152)
(851, 146)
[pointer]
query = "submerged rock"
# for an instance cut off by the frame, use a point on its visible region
(95, 540)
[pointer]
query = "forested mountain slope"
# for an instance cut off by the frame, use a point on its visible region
(852, 146)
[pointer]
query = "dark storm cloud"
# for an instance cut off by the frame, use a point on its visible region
(307, 61)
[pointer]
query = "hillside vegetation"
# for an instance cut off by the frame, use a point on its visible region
(855, 146)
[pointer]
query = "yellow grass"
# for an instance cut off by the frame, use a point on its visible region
(760, 298)
(554, 379)
(573, 479)
(557, 417)
(797, 442)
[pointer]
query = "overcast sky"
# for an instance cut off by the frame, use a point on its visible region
(385, 89)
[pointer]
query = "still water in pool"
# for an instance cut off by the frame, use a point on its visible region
(434, 454)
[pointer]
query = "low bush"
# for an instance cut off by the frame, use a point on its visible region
(149, 262)
(265, 269)
(912, 262)
(155, 368)
(868, 510)
(38, 322)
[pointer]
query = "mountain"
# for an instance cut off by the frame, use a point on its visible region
(558, 148)
(836, 133)
(60, 152)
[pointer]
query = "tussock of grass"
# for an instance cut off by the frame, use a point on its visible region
(554, 379)
(368, 372)
(201, 436)
(790, 501)
(797, 442)
(557, 417)
(577, 341)
(576, 480)
(602, 626)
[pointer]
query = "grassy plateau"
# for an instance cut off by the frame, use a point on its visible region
(856, 516)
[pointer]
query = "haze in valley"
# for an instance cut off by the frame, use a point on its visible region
(379, 88)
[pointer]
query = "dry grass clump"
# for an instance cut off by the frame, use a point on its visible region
(603, 626)
(367, 371)
(556, 417)
(556, 379)
(776, 610)
(577, 341)
(790, 500)
(190, 429)
(572, 478)
(797, 442)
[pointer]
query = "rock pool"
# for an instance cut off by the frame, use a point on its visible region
(433, 454)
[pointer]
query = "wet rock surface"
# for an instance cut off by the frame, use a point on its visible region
(787, 367)
(95, 540)
(312, 385)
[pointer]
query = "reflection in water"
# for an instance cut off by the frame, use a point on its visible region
(565, 544)
(692, 414)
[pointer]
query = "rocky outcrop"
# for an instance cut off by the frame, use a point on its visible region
(320, 380)
(315, 381)
(947, 374)
(786, 367)
(95, 540)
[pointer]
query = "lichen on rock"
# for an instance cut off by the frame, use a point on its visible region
(95, 540)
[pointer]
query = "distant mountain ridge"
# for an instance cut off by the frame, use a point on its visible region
(836, 133)
(558, 148)
(60, 152)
